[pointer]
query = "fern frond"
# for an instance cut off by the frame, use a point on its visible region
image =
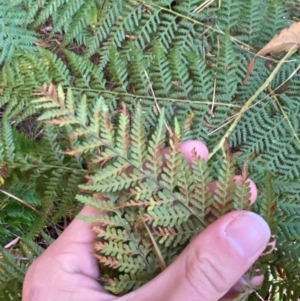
(225, 189)
(14, 36)
(8, 140)
(228, 14)
(179, 67)
(147, 192)
(160, 70)
(226, 69)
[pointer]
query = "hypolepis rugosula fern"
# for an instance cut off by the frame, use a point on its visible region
(187, 58)
(155, 201)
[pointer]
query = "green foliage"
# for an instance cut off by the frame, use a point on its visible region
(150, 199)
(17, 219)
(13, 266)
(13, 32)
(37, 180)
(175, 64)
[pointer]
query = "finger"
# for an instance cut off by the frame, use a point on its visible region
(68, 268)
(238, 288)
(79, 231)
(212, 263)
(76, 243)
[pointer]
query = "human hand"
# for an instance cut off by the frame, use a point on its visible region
(208, 268)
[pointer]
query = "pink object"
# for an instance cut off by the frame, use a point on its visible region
(201, 150)
(253, 188)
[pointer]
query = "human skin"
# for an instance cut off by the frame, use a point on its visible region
(207, 270)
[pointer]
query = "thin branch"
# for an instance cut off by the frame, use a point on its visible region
(229, 119)
(202, 6)
(161, 260)
(250, 101)
(19, 200)
(284, 114)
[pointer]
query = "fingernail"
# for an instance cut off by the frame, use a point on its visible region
(248, 233)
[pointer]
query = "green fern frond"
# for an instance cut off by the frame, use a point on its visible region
(225, 68)
(179, 67)
(160, 70)
(14, 36)
(139, 186)
(251, 25)
(228, 14)
(102, 29)
(8, 139)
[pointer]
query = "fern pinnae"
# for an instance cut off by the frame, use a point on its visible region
(87, 74)
(226, 70)
(171, 169)
(13, 35)
(65, 15)
(160, 69)
(192, 20)
(138, 138)
(14, 269)
(156, 144)
(180, 74)
(228, 14)
(96, 201)
(201, 196)
(31, 249)
(125, 281)
(102, 30)
(202, 77)
(109, 220)
(225, 189)
(185, 180)
(117, 68)
(80, 22)
(9, 143)
(137, 64)
(127, 26)
(242, 195)
(251, 24)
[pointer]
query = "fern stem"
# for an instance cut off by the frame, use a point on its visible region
(45, 166)
(156, 97)
(250, 101)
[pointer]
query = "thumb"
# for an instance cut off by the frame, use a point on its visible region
(213, 262)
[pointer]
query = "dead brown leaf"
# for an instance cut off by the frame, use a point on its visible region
(286, 40)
